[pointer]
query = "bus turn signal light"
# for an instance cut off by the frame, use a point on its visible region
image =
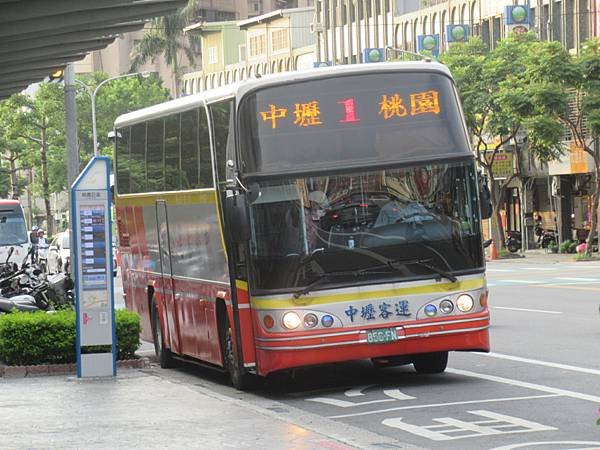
(268, 321)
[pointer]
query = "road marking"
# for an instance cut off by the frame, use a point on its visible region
(541, 363)
(527, 310)
(578, 279)
(570, 286)
(524, 281)
(449, 426)
(537, 268)
(499, 270)
(395, 394)
(437, 405)
(526, 385)
(545, 444)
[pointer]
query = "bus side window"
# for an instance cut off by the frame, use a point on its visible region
(155, 156)
(137, 162)
(205, 172)
(189, 150)
(123, 160)
(172, 149)
(221, 115)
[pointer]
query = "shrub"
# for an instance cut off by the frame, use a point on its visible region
(565, 246)
(41, 338)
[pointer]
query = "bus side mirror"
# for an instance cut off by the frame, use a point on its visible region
(485, 199)
(236, 213)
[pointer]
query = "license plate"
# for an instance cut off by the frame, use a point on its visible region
(382, 335)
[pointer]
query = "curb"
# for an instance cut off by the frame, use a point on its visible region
(62, 369)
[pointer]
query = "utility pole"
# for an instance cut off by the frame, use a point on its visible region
(72, 147)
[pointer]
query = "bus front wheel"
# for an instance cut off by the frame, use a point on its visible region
(239, 378)
(163, 354)
(431, 362)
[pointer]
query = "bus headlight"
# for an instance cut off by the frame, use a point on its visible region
(446, 306)
(310, 320)
(464, 302)
(291, 320)
(430, 310)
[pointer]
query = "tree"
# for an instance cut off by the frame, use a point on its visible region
(113, 99)
(563, 77)
(495, 98)
(11, 150)
(166, 37)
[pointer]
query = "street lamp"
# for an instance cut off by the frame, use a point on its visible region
(93, 97)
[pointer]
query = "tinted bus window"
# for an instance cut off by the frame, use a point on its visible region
(206, 171)
(221, 113)
(351, 121)
(12, 227)
(189, 149)
(155, 163)
(123, 161)
(137, 162)
(172, 149)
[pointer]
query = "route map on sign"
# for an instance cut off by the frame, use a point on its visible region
(93, 247)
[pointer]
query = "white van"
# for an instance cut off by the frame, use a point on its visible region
(13, 231)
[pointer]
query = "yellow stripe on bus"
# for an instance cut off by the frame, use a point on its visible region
(241, 284)
(171, 198)
(272, 303)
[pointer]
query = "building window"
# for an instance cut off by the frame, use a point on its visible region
(279, 38)
(257, 45)
(212, 55)
(242, 52)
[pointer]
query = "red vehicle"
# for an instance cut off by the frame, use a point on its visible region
(304, 218)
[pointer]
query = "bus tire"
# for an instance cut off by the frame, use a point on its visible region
(431, 362)
(240, 379)
(163, 354)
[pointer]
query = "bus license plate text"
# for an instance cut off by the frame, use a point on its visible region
(382, 335)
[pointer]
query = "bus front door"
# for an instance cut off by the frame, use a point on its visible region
(171, 333)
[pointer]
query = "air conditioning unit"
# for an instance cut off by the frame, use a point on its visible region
(316, 27)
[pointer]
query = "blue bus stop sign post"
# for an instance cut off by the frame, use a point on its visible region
(92, 268)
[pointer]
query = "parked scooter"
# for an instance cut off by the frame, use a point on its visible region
(29, 289)
(544, 237)
(513, 241)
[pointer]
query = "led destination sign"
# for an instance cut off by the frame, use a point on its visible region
(390, 105)
(351, 120)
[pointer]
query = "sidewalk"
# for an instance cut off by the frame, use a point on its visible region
(156, 408)
(541, 257)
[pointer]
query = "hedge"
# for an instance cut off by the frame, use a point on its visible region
(42, 338)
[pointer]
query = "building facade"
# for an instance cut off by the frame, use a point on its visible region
(275, 42)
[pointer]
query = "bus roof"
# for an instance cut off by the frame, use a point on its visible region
(239, 89)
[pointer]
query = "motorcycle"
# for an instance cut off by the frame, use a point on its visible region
(513, 241)
(29, 289)
(544, 237)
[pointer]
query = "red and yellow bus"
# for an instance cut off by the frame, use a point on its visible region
(305, 218)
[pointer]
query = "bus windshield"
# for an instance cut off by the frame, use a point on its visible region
(353, 225)
(351, 121)
(12, 227)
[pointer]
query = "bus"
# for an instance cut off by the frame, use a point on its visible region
(305, 218)
(13, 232)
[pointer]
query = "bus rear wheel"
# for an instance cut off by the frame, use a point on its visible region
(240, 379)
(431, 362)
(163, 354)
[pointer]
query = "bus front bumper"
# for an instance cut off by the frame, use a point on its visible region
(460, 333)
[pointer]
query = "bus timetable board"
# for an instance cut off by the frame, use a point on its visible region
(90, 196)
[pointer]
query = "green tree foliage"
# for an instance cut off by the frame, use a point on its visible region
(499, 105)
(114, 98)
(166, 37)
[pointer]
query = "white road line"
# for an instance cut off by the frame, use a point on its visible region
(526, 385)
(437, 405)
(578, 279)
(527, 310)
(499, 270)
(523, 281)
(491, 284)
(541, 363)
(537, 268)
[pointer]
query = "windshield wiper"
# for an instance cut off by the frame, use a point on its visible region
(418, 262)
(321, 278)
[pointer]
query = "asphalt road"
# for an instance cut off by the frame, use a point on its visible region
(539, 388)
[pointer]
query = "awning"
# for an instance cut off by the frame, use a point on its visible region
(38, 37)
